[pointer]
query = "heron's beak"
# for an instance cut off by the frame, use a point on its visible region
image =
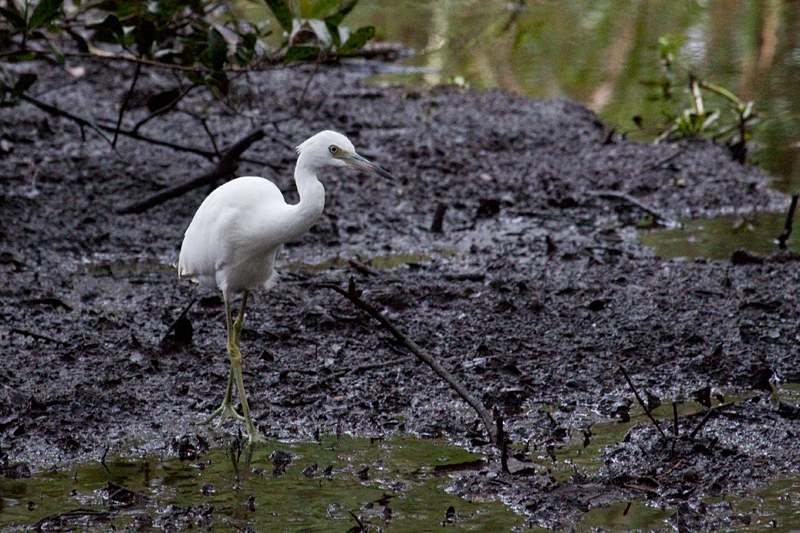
(356, 161)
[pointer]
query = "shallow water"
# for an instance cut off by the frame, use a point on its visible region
(206, 490)
(717, 238)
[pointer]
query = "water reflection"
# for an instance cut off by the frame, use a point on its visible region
(604, 53)
(717, 238)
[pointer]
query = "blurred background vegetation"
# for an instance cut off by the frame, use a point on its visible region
(722, 69)
(608, 55)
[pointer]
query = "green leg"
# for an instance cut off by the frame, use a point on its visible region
(226, 410)
(236, 371)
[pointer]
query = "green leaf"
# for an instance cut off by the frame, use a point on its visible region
(219, 80)
(80, 42)
(12, 15)
(300, 53)
(59, 55)
(357, 40)
(23, 83)
(338, 17)
(110, 30)
(282, 12)
(341, 35)
(45, 12)
(145, 35)
(334, 32)
(218, 49)
(246, 49)
(320, 8)
(321, 31)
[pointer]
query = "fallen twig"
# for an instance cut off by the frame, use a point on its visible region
(665, 160)
(37, 336)
(352, 294)
(707, 417)
(665, 220)
(675, 418)
(171, 328)
(641, 402)
(226, 166)
(349, 372)
(787, 227)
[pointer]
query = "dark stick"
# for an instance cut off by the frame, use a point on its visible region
(361, 268)
(503, 443)
(226, 166)
(210, 135)
(56, 112)
(99, 128)
(180, 148)
(125, 103)
(170, 106)
(352, 295)
(348, 372)
(182, 315)
(707, 417)
(103, 459)
(437, 225)
(639, 399)
(665, 160)
(36, 336)
(675, 417)
(787, 227)
(358, 520)
(644, 207)
(154, 114)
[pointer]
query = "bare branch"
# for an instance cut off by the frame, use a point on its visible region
(53, 110)
(226, 166)
(641, 402)
(787, 227)
(644, 207)
(125, 102)
(100, 128)
(352, 294)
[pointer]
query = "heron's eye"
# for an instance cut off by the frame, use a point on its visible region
(333, 149)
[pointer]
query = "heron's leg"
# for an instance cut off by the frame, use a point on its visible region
(236, 371)
(239, 324)
(226, 410)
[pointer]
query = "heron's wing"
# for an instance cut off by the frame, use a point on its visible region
(218, 233)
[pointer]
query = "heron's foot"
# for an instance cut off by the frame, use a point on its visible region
(254, 437)
(224, 411)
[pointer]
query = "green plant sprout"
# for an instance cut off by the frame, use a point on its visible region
(697, 119)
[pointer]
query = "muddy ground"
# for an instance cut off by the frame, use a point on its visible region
(534, 294)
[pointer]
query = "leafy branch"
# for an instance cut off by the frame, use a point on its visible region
(203, 42)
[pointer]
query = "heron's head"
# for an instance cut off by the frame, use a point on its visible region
(329, 148)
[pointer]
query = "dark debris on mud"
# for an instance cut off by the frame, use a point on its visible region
(533, 293)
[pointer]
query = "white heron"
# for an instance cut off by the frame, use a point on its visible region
(237, 232)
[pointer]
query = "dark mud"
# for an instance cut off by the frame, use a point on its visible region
(534, 294)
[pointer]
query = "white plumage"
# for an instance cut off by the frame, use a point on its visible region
(238, 230)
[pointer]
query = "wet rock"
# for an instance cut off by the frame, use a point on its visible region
(125, 496)
(280, 460)
(310, 470)
(16, 471)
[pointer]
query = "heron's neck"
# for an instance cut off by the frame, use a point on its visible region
(312, 197)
